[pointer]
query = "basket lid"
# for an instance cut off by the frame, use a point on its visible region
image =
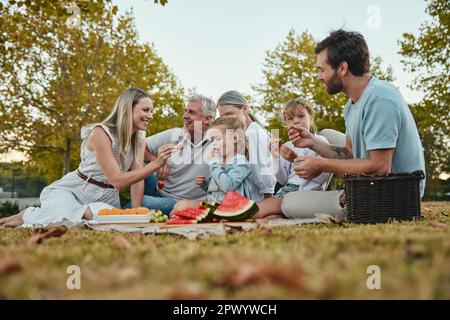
(390, 176)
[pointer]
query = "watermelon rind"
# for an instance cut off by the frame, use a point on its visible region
(240, 214)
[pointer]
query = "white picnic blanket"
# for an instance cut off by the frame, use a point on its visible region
(197, 231)
(193, 232)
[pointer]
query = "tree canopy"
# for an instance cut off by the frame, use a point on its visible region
(59, 74)
(289, 71)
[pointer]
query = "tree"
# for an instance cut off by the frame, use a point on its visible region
(59, 72)
(427, 56)
(289, 71)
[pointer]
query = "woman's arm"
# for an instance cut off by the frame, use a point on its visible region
(101, 145)
(137, 189)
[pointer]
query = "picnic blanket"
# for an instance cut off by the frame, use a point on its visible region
(199, 230)
(205, 230)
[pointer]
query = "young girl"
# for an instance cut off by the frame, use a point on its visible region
(232, 103)
(112, 158)
(229, 167)
(295, 112)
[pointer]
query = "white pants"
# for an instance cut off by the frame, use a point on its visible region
(57, 205)
(306, 204)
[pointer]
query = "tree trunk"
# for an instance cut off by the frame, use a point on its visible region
(66, 166)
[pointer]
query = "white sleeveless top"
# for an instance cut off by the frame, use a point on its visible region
(87, 192)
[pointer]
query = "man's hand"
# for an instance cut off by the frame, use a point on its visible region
(307, 167)
(301, 137)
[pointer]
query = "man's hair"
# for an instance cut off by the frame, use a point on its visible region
(349, 47)
(208, 105)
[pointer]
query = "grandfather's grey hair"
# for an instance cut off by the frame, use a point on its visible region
(209, 107)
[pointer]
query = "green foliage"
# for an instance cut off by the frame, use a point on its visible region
(427, 56)
(27, 182)
(289, 72)
(56, 78)
(8, 208)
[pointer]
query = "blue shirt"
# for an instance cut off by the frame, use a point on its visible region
(381, 119)
(234, 176)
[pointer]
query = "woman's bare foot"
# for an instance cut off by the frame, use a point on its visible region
(12, 221)
(88, 214)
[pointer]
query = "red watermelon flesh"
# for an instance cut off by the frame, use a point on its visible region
(192, 213)
(236, 207)
(181, 221)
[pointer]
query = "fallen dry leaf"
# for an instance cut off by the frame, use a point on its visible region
(9, 265)
(264, 225)
(289, 276)
(116, 274)
(337, 221)
(40, 234)
(436, 224)
(188, 291)
(122, 243)
(233, 229)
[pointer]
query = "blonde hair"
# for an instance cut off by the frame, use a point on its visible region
(235, 124)
(120, 121)
(297, 104)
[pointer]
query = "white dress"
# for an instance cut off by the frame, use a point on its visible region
(69, 197)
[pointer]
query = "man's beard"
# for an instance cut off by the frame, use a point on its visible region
(334, 85)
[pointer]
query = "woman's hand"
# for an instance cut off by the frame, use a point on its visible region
(164, 153)
(301, 137)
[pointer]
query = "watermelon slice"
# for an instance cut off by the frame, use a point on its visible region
(181, 221)
(235, 207)
(200, 213)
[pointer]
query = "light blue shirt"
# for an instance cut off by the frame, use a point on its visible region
(381, 119)
(234, 176)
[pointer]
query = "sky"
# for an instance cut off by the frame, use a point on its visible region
(213, 46)
(217, 45)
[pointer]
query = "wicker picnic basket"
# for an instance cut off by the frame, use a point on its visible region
(380, 198)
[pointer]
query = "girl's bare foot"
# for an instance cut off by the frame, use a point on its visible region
(12, 221)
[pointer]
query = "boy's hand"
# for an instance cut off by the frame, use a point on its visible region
(288, 153)
(199, 181)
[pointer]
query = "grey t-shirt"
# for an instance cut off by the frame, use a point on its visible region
(185, 165)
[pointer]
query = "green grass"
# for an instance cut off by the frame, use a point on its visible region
(305, 262)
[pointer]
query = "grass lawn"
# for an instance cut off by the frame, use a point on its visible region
(306, 262)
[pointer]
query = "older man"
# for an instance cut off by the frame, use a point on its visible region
(177, 180)
(382, 136)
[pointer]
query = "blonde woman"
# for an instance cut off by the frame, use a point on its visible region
(112, 158)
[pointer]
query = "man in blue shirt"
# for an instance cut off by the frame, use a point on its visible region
(381, 135)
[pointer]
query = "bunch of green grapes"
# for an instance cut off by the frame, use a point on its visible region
(158, 217)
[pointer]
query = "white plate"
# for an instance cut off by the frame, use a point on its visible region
(124, 218)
